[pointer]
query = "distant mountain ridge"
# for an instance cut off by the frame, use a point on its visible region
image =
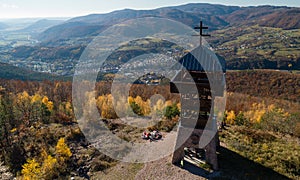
(187, 14)
(41, 25)
(206, 8)
(215, 16)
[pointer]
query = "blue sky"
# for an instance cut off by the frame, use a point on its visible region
(71, 8)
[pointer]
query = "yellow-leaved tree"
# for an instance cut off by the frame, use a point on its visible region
(31, 170)
(105, 105)
(144, 105)
(256, 112)
(159, 107)
(230, 117)
(47, 103)
(49, 166)
(63, 152)
(36, 98)
(23, 108)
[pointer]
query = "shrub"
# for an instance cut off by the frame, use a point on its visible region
(49, 165)
(136, 108)
(277, 120)
(172, 111)
(240, 119)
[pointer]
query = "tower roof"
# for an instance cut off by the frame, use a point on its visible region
(205, 59)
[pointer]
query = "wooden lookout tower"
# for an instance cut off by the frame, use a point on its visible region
(197, 100)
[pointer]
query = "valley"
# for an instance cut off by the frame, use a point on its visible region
(55, 46)
(50, 130)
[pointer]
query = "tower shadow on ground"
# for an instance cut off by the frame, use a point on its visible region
(235, 166)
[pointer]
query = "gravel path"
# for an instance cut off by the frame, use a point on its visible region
(151, 151)
(164, 169)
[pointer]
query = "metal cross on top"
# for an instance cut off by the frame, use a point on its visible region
(201, 27)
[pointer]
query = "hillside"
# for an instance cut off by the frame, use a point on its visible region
(41, 25)
(3, 26)
(205, 8)
(248, 47)
(265, 83)
(11, 72)
(70, 30)
(288, 19)
(260, 140)
(269, 16)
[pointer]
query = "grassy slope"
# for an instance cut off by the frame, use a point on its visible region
(274, 151)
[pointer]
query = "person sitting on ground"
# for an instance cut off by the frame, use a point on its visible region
(145, 134)
(151, 137)
(148, 135)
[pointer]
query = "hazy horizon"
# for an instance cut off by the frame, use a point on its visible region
(16, 9)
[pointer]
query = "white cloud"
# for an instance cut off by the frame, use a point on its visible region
(8, 6)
